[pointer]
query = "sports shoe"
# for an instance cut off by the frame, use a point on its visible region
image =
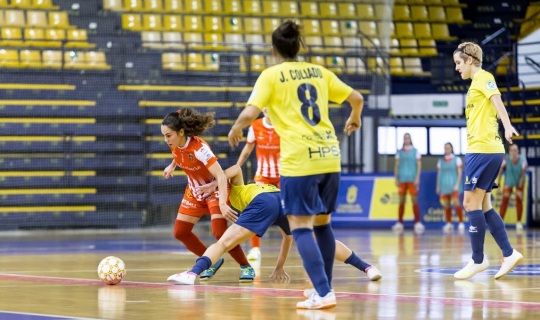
(254, 254)
(210, 272)
(309, 292)
(315, 302)
(448, 227)
(398, 227)
(186, 277)
(419, 228)
(247, 274)
(508, 264)
(471, 269)
(373, 273)
(461, 227)
(519, 226)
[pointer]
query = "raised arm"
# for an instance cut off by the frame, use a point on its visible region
(246, 117)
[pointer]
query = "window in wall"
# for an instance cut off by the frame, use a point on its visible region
(463, 140)
(386, 137)
(438, 137)
(418, 137)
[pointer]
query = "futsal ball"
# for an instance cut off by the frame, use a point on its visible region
(111, 270)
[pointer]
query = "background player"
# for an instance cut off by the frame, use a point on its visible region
(449, 187)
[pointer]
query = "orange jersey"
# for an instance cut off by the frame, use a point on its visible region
(267, 148)
(195, 157)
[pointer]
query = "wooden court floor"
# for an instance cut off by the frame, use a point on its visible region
(52, 275)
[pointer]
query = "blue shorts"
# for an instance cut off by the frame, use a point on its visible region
(262, 212)
(481, 170)
(310, 195)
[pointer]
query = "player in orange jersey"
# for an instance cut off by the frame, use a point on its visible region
(262, 135)
(193, 155)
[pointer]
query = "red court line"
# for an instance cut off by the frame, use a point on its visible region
(285, 292)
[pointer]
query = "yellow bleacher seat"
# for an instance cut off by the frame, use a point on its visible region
(451, 2)
(133, 5)
(193, 6)
(21, 3)
(55, 34)
(311, 27)
(96, 60)
(173, 6)
(368, 28)
(349, 28)
(383, 12)
(375, 65)
(233, 7)
(36, 19)
(419, 13)
(329, 9)
(213, 23)
(355, 66)
(58, 19)
(335, 64)
(235, 41)
(404, 30)
(454, 14)
(253, 26)
(9, 58)
(309, 9)
(152, 22)
(203, 62)
(34, 34)
(78, 38)
(153, 5)
(394, 47)
(1, 17)
(14, 18)
(172, 39)
(30, 58)
(74, 60)
(151, 39)
(427, 47)
(131, 21)
(289, 8)
(413, 66)
(233, 25)
(314, 43)
(252, 7)
(402, 12)
(114, 5)
(440, 31)
(422, 30)
(213, 41)
(52, 59)
(436, 13)
(271, 24)
(257, 42)
(271, 8)
(347, 10)
(352, 44)
(319, 60)
(257, 63)
(396, 66)
(11, 37)
(364, 10)
(330, 28)
(409, 47)
(172, 22)
(333, 44)
(213, 7)
(44, 4)
(193, 24)
(172, 61)
(193, 39)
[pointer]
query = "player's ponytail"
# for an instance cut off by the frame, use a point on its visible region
(191, 121)
(287, 39)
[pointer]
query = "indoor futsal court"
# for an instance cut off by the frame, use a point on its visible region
(52, 275)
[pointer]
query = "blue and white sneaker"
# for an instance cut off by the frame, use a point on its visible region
(247, 274)
(210, 272)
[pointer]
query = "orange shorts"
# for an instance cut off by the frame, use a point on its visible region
(449, 197)
(192, 207)
(265, 180)
(407, 186)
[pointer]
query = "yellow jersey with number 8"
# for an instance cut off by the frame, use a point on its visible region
(482, 126)
(297, 95)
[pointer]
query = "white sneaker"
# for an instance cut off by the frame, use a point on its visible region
(185, 277)
(309, 292)
(419, 227)
(254, 254)
(315, 302)
(398, 227)
(519, 226)
(509, 263)
(373, 273)
(448, 227)
(471, 269)
(461, 227)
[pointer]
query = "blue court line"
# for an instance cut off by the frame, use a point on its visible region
(7, 315)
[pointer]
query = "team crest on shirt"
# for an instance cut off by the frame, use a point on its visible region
(490, 85)
(191, 157)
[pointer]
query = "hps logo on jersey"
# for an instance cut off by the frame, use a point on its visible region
(523, 270)
(490, 85)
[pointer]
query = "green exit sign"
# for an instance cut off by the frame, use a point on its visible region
(440, 104)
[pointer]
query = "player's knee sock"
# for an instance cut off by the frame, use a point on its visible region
(477, 233)
(416, 211)
(255, 242)
(201, 264)
(355, 260)
(448, 214)
(401, 212)
(218, 229)
(312, 259)
(519, 208)
(498, 231)
(504, 205)
(327, 245)
(459, 212)
(183, 232)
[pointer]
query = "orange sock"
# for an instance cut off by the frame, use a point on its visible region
(504, 205)
(459, 212)
(182, 232)
(519, 208)
(401, 212)
(448, 214)
(416, 210)
(255, 242)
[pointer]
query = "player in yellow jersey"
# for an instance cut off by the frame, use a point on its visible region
(296, 95)
(485, 153)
